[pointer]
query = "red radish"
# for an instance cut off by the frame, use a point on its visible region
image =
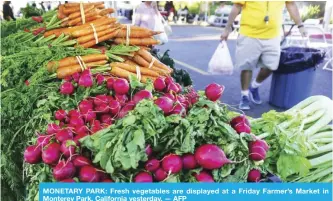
(85, 80)
(68, 180)
(171, 96)
(88, 174)
(149, 150)
(33, 154)
(114, 107)
(52, 128)
(102, 108)
(68, 148)
(143, 177)
(210, 156)
(254, 176)
(76, 122)
(121, 86)
(76, 77)
(74, 113)
(89, 115)
(109, 83)
(160, 174)
(106, 119)
(82, 130)
(189, 162)
(51, 154)
(179, 109)
(44, 140)
(100, 79)
(60, 115)
(239, 119)
(64, 134)
(159, 84)
(67, 88)
(102, 175)
(80, 161)
(86, 72)
(152, 165)
(172, 163)
(95, 126)
(258, 150)
(85, 106)
(180, 88)
(214, 91)
(204, 176)
(107, 181)
(110, 98)
(68, 78)
(124, 111)
(172, 87)
(78, 137)
(143, 94)
(165, 104)
(101, 99)
(242, 127)
(64, 170)
(122, 99)
(168, 80)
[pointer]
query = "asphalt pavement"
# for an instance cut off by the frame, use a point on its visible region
(192, 48)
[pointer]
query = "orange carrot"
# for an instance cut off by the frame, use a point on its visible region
(138, 41)
(141, 61)
(88, 20)
(101, 39)
(148, 57)
(89, 30)
(87, 38)
(70, 70)
(69, 5)
(98, 22)
(106, 11)
(60, 13)
(57, 32)
(69, 61)
(133, 69)
(118, 72)
(137, 34)
(78, 14)
(89, 17)
(74, 9)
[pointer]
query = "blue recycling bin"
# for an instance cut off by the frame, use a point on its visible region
(289, 89)
(292, 81)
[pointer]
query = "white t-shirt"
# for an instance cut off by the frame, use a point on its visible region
(145, 16)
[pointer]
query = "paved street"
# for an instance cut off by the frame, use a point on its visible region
(193, 47)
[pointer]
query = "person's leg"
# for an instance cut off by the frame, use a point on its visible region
(268, 62)
(247, 55)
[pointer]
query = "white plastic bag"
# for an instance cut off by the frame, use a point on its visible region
(163, 26)
(221, 63)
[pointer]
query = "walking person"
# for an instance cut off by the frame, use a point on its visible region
(146, 14)
(258, 44)
(7, 11)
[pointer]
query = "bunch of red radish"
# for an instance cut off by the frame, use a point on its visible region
(60, 150)
(257, 149)
(207, 156)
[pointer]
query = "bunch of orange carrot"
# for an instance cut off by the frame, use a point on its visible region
(149, 67)
(89, 34)
(138, 36)
(73, 14)
(71, 65)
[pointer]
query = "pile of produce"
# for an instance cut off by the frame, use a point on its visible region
(98, 106)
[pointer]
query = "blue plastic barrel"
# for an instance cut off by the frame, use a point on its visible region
(289, 89)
